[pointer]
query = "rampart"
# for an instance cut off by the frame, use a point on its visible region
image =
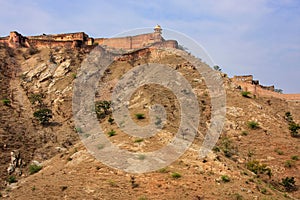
(246, 83)
(79, 39)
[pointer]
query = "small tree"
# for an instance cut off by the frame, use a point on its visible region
(278, 91)
(293, 127)
(102, 109)
(288, 117)
(289, 183)
(217, 68)
(43, 115)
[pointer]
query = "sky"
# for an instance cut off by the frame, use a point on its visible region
(258, 37)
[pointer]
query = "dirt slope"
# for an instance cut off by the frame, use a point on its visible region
(32, 80)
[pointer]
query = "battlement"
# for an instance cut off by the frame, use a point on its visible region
(246, 83)
(80, 39)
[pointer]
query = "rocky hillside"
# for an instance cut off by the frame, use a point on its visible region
(42, 157)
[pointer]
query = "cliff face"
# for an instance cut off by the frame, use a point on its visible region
(44, 78)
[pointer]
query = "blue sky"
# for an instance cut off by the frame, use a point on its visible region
(259, 37)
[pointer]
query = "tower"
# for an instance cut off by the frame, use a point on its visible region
(157, 29)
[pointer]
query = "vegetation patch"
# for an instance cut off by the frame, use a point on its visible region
(289, 163)
(6, 102)
(253, 125)
(11, 179)
(139, 140)
(34, 168)
(111, 133)
(246, 94)
(102, 109)
(258, 168)
(225, 178)
(175, 175)
(43, 115)
(293, 126)
(140, 116)
(227, 147)
(289, 184)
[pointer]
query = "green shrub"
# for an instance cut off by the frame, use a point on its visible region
(293, 127)
(244, 133)
(263, 190)
(163, 170)
(289, 163)
(216, 149)
(225, 178)
(289, 183)
(138, 140)
(217, 68)
(278, 91)
(175, 175)
(112, 183)
(11, 179)
(6, 102)
(237, 196)
(288, 116)
(245, 94)
(111, 120)
(294, 157)
(253, 125)
(111, 133)
(258, 168)
(279, 152)
(139, 116)
(33, 98)
(227, 147)
(102, 109)
(78, 130)
(34, 168)
(43, 115)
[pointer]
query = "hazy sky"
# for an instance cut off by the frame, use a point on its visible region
(259, 37)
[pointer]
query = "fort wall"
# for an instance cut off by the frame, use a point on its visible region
(78, 39)
(259, 90)
(132, 42)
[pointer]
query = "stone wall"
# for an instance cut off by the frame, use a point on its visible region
(80, 38)
(61, 37)
(131, 42)
(266, 91)
(50, 43)
(245, 78)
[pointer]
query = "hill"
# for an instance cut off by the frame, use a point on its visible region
(47, 160)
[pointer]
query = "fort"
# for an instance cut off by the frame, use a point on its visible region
(246, 83)
(79, 39)
(155, 39)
